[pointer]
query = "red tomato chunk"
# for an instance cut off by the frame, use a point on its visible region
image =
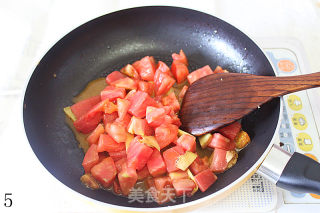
(205, 179)
(105, 172)
(138, 154)
(199, 73)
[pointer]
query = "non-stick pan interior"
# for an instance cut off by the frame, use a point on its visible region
(109, 42)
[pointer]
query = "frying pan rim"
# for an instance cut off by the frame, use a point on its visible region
(51, 44)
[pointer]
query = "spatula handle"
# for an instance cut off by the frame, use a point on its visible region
(278, 86)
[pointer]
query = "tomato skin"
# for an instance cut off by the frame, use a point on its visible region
(156, 164)
(82, 107)
(221, 142)
(230, 131)
(138, 154)
(146, 68)
(163, 68)
(170, 157)
(130, 71)
(205, 179)
(127, 179)
(105, 172)
(114, 76)
(219, 162)
(180, 71)
(171, 100)
(117, 132)
(126, 83)
(109, 118)
(181, 57)
(123, 106)
(91, 158)
(139, 102)
(187, 142)
(118, 155)
(198, 166)
(199, 73)
(112, 93)
(166, 134)
(94, 136)
(106, 143)
(146, 87)
(183, 186)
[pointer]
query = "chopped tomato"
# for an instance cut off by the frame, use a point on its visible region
(117, 132)
(231, 130)
(198, 166)
(139, 126)
(127, 179)
(123, 106)
(89, 121)
(166, 134)
(163, 189)
(105, 172)
(162, 82)
(109, 118)
(112, 93)
(118, 155)
(182, 92)
(126, 83)
(161, 182)
(82, 107)
(183, 186)
(218, 69)
(114, 76)
(157, 116)
(91, 158)
(119, 164)
(162, 67)
(102, 156)
(170, 157)
(171, 100)
(180, 71)
(130, 95)
(125, 121)
(187, 142)
(139, 103)
(146, 87)
(138, 154)
(181, 57)
(94, 136)
(205, 179)
(199, 73)
(110, 107)
(145, 68)
(130, 71)
(219, 162)
(221, 142)
(116, 187)
(106, 143)
(156, 165)
(143, 173)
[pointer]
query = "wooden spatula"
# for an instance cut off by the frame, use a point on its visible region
(219, 99)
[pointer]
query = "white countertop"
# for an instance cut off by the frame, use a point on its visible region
(30, 28)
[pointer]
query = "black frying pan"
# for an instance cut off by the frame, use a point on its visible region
(107, 43)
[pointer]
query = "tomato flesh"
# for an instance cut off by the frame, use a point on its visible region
(82, 107)
(114, 76)
(156, 164)
(138, 154)
(117, 132)
(94, 136)
(181, 57)
(126, 83)
(123, 106)
(205, 179)
(187, 142)
(145, 68)
(198, 166)
(118, 155)
(112, 93)
(199, 73)
(171, 100)
(127, 179)
(219, 162)
(180, 71)
(106, 143)
(139, 103)
(170, 157)
(105, 172)
(109, 118)
(165, 134)
(221, 142)
(231, 130)
(91, 158)
(183, 186)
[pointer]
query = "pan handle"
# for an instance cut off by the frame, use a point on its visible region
(296, 172)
